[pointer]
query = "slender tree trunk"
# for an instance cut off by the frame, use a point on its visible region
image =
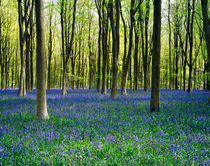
(63, 50)
(73, 71)
(54, 75)
(12, 71)
(155, 94)
(50, 54)
(195, 72)
(115, 22)
(146, 62)
(40, 64)
(22, 83)
(16, 69)
(27, 62)
(130, 75)
(169, 24)
(176, 58)
(127, 62)
(191, 48)
(105, 48)
(32, 47)
(125, 46)
(99, 45)
(1, 59)
(206, 26)
(69, 40)
(136, 51)
(90, 59)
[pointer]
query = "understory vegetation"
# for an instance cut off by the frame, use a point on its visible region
(86, 127)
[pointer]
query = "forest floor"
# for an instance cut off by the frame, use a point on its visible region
(86, 127)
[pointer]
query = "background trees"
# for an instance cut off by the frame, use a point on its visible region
(104, 44)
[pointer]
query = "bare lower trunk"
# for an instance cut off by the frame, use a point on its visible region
(64, 90)
(155, 94)
(40, 64)
(189, 89)
(22, 85)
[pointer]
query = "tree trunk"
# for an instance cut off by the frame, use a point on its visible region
(16, 70)
(176, 58)
(66, 39)
(195, 72)
(1, 55)
(155, 94)
(32, 47)
(136, 51)
(27, 51)
(50, 54)
(191, 48)
(22, 83)
(90, 59)
(169, 24)
(73, 71)
(40, 62)
(127, 62)
(115, 22)
(104, 44)
(206, 26)
(146, 63)
(98, 5)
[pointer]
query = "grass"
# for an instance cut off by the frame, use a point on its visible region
(86, 128)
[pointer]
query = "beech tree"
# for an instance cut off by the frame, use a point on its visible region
(40, 62)
(114, 15)
(67, 39)
(50, 51)
(206, 27)
(155, 94)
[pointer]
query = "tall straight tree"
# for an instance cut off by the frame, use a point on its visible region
(206, 26)
(169, 26)
(155, 94)
(114, 14)
(49, 50)
(104, 45)
(98, 6)
(191, 40)
(22, 84)
(67, 40)
(25, 17)
(40, 62)
(1, 59)
(146, 58)
(128, 59)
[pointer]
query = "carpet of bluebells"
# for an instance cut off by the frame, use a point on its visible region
(87, 128)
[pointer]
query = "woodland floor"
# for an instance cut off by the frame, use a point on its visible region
(86, 127)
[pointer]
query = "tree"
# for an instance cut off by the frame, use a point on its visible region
(25, 19)
(98, 6)
(22, 84)
(49, 50)
(206, 27)
(105, 24)
(40, 62)
(169, 26)
(146, 59)
(155, 94)
(128, 59)
(114, 14)
(67, 40)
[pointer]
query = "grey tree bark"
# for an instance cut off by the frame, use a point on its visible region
(206, 26)
(155, 94)
(114, 15)
(40, 62)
